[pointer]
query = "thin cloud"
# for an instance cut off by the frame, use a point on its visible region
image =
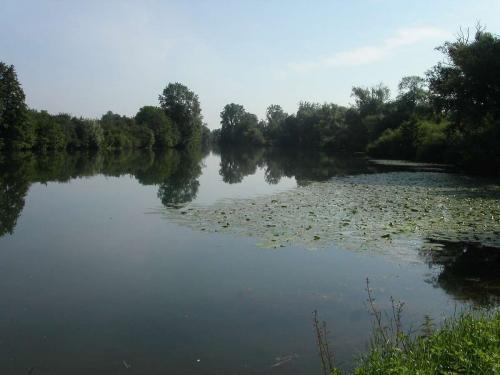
(370, 54)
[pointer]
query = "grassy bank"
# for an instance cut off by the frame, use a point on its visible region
(469, 344)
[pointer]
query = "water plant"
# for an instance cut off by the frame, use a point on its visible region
(393, 213)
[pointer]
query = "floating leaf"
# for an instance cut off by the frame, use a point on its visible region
(362, 212)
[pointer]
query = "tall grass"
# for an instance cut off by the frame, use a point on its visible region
(468, 343)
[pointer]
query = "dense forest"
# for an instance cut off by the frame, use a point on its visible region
(451, 115)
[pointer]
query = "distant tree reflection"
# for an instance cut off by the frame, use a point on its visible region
(182, 185)
(235, 164)
(175, 173)
(14, 185)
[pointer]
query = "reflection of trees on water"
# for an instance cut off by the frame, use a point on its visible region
(278, 163)
(467, 271)
(181, 186)
(176, 173)
(235, 164)
(14, 184)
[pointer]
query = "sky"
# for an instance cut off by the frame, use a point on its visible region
(88, 57)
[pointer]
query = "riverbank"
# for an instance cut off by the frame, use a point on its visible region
(468, 344)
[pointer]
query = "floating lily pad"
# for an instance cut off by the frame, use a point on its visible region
(391, 212)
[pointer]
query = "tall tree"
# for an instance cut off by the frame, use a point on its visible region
(230, 118)
(275, 118)
(15, 131)
(467, 84)
(240, 126)
(466, 87)
(183, 107)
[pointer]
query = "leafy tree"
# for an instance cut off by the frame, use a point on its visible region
(183, 107)
(369, 101)
(275, 118)
(15, 132)
(156, 120)
(231, 117)
(122, 132)
(50, 136)
(412, 90)
(466, 87)
(89, 133)
(239, 126)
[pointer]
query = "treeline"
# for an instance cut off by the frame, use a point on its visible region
(450, 115)
(176, 122)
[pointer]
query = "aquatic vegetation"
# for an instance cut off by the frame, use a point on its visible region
(390, 212)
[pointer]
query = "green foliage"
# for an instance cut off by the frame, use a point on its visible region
(413, 140)
(275, 117)
(155, 119)
(183, 107)
(467, 85)
(15, 132)
(431, 144)
(122, 132)
(469, 344)
(465, 344)
(413, 95)
(452, 116)
(466, 88)
(50, 135)
(240, 126)
(177, 122)
(370, 100)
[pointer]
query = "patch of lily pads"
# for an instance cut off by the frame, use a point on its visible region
(387, 212)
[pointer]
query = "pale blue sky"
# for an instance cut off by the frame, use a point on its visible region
(88, 57)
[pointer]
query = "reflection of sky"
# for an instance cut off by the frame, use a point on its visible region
(212, 188)
(90, 278)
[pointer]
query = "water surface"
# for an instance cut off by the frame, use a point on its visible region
(95, 279)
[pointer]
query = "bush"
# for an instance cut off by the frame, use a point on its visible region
(421, 140)
(431, 142)
(392, 144)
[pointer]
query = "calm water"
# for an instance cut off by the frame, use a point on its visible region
(93, 280)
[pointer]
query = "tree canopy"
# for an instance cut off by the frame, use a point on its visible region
(14, 130)
(183, 107)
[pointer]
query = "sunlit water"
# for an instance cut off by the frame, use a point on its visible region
(94, 281)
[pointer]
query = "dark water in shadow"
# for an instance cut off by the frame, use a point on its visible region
(91, 282)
